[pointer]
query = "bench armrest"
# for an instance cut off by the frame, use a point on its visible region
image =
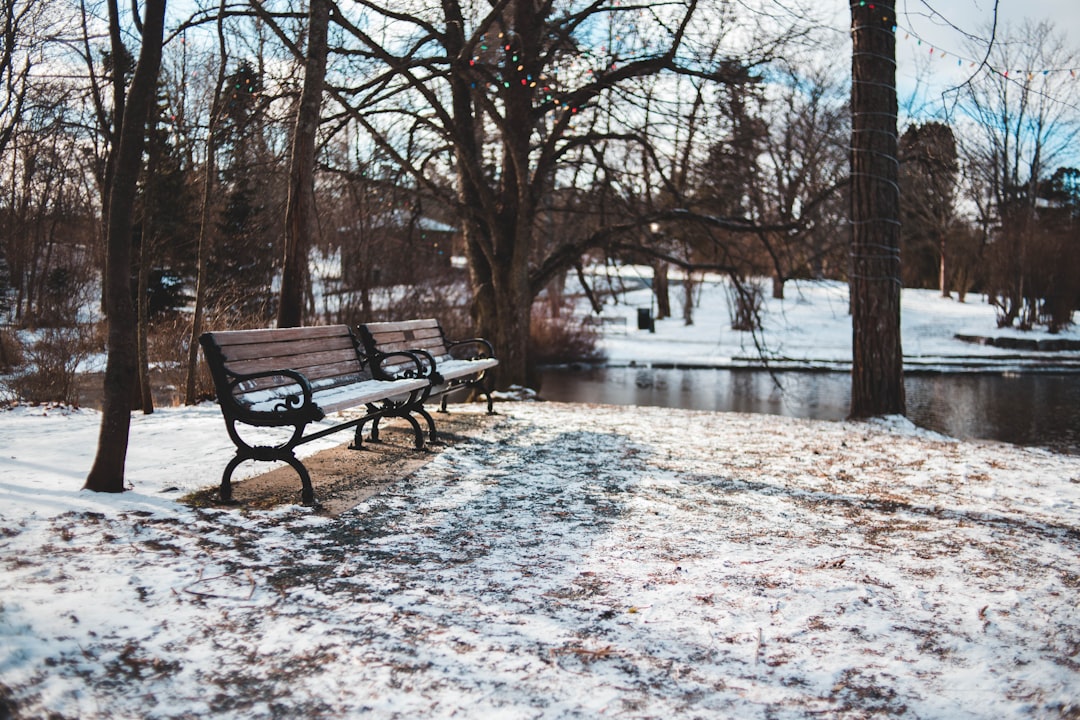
(288, 408)
(482, 347)
(417, 370)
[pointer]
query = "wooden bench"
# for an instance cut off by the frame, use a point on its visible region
(449, 364)
(292, 377)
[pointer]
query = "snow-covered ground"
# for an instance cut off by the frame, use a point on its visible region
(811, 328)
(568, 561)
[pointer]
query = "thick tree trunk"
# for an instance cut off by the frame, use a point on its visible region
(877, 381)
(107, 473)
(300, 211)
(502, 304)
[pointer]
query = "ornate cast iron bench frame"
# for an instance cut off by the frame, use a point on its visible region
(448, 364)
(292, 377)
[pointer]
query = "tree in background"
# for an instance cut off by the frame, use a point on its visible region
(1025, 121)
(206, 235)
(929, 168)
(245, 251)
(300, 208)
(1055, 282)
(519, 101)
(877, 371)
(162, 239)
(803, 166)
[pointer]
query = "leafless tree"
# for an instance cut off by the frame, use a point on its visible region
(929, 170)
(803, 168)
(16, 62)
(300, 209)
(1026, 118)
(107, 472)
(513, 100)
(205, 220)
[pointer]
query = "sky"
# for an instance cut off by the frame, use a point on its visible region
(933, 50)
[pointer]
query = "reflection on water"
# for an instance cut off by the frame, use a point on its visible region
(1034, 409)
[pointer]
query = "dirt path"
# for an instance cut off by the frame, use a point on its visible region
(342, 477)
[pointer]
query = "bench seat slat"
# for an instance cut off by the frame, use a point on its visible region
(370, 391)
(248, 351)
(225, 338)
(320, 366)
(403, 325)
(333, 398)
(455, 369)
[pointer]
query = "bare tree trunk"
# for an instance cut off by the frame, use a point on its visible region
(144, 399)
(107, 473)
(877, 373)
(688, 300)
(943, 269)
(300, 211)
(661, 289)
(190, 384)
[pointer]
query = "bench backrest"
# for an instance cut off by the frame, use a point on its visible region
(386, 337)
(326, 355)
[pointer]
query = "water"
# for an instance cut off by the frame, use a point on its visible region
(1038, 409)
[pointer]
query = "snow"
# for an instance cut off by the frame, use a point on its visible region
(568, 561)
(811, 328)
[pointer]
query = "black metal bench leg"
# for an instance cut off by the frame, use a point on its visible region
(442, 404)
(432, 435)
(307, 493)
(418, 432)
(225, 490)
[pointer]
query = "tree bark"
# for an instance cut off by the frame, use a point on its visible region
(107, 472)
(205, 236)
(300, 211)
(877, 381)
(661, 289)
(144, 399)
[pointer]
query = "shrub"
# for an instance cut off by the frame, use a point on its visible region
(51, 361)
(561, 338)
(745, 301)
(11, 351)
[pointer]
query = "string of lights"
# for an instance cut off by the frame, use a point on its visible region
(939, 53)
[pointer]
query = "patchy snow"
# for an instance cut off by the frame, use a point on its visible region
(569, 561)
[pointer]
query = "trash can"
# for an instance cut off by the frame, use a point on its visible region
(645, 320)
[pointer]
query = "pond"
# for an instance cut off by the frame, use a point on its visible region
(1038, 409)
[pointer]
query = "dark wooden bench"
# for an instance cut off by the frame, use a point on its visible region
(449, 364)
(292, 377)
